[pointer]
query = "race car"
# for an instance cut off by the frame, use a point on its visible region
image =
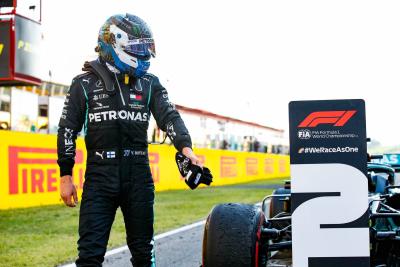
(247, 235)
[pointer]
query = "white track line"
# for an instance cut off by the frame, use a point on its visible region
(157, 237)
(179, 230)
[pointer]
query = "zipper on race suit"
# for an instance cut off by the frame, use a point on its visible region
(120, 91)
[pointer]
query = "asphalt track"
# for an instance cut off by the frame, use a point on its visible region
(180, 248)
(177, 248)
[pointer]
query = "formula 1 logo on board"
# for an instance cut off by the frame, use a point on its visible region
(337, 118)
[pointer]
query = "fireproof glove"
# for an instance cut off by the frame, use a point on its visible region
(194, 175)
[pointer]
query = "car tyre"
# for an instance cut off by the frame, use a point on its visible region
(232, 236)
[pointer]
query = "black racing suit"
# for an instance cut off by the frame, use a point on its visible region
(117, 172)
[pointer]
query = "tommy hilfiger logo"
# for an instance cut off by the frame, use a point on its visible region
(135, 97)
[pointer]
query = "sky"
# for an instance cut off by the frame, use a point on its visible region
(249, 59)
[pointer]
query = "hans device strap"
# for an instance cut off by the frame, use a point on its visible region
(101, 72)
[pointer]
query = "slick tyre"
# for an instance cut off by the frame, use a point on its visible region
(231, 236)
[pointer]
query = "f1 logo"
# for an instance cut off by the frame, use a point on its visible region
(337, 118)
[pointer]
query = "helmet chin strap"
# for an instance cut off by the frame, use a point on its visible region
(112, 68)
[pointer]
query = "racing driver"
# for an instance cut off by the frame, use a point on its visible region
(112, 102)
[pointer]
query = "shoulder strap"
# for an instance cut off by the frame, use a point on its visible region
(101, 72)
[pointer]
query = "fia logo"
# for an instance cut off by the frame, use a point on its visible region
(304, 134)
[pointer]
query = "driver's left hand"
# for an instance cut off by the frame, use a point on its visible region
(188, 152)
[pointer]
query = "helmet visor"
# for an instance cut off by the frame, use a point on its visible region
(143, 47)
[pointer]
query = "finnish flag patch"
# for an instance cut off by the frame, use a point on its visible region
(110, 154)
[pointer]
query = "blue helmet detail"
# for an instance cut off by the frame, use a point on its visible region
(126, 42)
(142, 68)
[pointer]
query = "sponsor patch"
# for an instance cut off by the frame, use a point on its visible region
(87, 80)
(136, 97)
(100, 154)
(99, 84)
(121, 114)
(100, 106)
(136, 106)
(100, 96)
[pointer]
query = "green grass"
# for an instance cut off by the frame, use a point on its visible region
(46, 236)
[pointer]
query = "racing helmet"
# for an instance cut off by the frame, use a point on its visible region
(126, 43)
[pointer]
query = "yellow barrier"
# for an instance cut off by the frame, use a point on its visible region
(29, 174)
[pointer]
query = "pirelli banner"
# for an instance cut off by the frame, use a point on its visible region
(29, 174)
